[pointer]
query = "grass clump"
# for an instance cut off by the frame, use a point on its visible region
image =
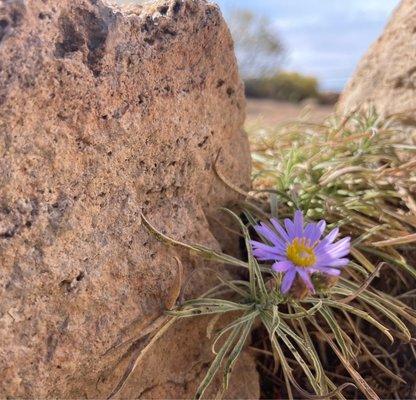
(355, 336)
(358, 173)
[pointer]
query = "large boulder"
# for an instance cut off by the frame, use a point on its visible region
(386, 76)
(106, 114)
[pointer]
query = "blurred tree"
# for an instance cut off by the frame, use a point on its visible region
(289, 86)
(258, 46)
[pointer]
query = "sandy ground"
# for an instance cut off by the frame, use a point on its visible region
(270, 113)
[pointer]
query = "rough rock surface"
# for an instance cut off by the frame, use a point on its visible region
(386, 76)
(105, 114)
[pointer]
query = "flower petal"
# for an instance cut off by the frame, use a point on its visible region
(321, 225)
(330, 271)
(331, 256)
(307, 279)
(298, 223)
(331, 236)
(287, 280)
(269, 234)
(327, 260)
(338, 249)
(312, 232)
(263, 255)
(261, 247)
(339, 262)
(279, 229)
(290, 228)
(309, 230)
(282, 266)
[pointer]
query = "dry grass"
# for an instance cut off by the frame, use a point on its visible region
(358, 173)
(356, 337)
(271, 113)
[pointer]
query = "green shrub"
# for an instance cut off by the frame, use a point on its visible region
(290, 86)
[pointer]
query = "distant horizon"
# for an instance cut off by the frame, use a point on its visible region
(323, 38)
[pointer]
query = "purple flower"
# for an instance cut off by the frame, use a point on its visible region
(300, 250)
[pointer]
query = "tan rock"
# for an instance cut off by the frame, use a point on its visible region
(105, 114)
(386, 76)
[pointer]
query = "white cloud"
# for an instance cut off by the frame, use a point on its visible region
(323, 37)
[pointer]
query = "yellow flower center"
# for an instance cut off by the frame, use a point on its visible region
(301, 253)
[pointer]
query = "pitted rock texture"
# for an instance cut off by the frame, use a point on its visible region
(105, 114)
(386, 76)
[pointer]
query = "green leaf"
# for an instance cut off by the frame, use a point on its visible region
(257, 286)
(245, 331)
(338, 332)
(216, 364)
(359, 313)
(200, 250)
(236, 323)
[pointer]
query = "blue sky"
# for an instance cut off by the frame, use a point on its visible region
(324, 38)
